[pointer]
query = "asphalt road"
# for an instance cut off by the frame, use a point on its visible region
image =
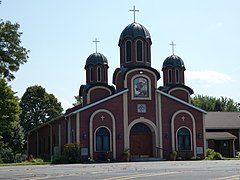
(217, 170)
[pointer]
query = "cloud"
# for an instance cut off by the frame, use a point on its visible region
(208, 77)
(65, 104)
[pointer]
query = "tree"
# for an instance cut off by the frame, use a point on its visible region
(38, 107)
(209, 103)
(12, 54)
(78, 99)
(11, 135)
(9, 108)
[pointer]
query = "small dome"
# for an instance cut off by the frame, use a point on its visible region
(134, 30)
(96, 58)
(173, 61)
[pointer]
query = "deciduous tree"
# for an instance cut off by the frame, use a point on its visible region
(12, 54)
(38, 107)
(209, 103)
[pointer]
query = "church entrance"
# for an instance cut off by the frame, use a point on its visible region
(141, 141)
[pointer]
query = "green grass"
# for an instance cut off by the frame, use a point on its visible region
(231, 158)
(25, 163)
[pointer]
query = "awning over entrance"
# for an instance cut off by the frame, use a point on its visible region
(220, 136)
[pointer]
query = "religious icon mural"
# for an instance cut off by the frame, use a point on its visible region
(140, 87)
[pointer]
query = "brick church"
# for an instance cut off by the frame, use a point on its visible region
(131, 114)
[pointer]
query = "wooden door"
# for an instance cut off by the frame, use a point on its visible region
(141, 141)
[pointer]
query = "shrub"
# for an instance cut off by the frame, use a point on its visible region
(72, 152)
(7, 155)
(212, 155)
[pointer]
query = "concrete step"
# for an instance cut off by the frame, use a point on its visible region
(144, 159)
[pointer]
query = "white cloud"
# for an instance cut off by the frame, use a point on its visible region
(65, 104)
(208, 77)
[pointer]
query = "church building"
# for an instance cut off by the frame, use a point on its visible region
(131, 114)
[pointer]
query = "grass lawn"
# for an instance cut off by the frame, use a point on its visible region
(25, 163)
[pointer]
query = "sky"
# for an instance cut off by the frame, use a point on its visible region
(59, 35)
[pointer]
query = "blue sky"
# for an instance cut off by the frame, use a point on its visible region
(59, 35)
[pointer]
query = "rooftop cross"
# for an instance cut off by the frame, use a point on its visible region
(172, 47)
(96, 41)
(134, 11)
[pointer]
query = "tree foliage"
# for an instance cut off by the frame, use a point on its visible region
(78, 100)
(12, 54)
(38, 107)
(11, 135)
(209, 103)
(9, 108)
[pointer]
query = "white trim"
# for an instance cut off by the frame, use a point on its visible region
(191, 139)
(96, 87)
(193, 126)
(181, 101)
(136, 50)
(113, 131)
(125, 120)
(159, 123)
(149, 97)
(110, 138)
(96, 103)
(182, 89)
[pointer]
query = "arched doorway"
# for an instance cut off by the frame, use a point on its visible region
(141, 140)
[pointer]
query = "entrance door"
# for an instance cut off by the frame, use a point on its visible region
(223, 148)
(140, 140)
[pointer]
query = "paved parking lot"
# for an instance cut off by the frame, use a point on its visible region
(218, 170)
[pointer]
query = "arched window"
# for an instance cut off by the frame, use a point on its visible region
(91, 74)
(128, 51)
(139, 51)
(184, 139)
(169, 76)
(99, 74)
(102, 140)
(177, 75)
(148, 54)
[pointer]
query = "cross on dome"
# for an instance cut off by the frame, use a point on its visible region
(172, 47)
(134, 12)
(96, 41)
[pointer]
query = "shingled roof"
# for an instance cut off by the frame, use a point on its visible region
(222, 120)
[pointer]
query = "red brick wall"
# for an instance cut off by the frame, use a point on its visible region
(169, 107)
(181, 94)
(98, 94)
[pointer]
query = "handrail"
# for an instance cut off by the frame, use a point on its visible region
(158, 149)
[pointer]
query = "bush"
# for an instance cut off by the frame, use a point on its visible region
(72, 152)
(212, 155)
(7, 155)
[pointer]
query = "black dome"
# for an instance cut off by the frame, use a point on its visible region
(173, 61)
(134, 30)
(96, 58)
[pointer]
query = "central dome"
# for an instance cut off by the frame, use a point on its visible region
(134, 30)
